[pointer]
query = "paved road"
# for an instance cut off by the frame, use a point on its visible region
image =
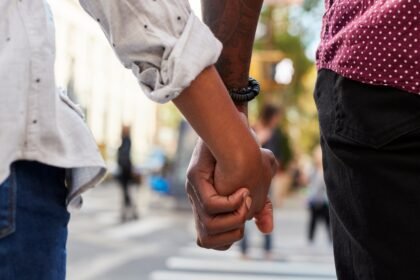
(160, 246)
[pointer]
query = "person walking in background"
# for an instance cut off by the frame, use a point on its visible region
(269, 136)
(267, 130)
(317, 197)
(125, 176)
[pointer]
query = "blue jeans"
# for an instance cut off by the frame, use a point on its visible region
(33, 223)
(268, 243)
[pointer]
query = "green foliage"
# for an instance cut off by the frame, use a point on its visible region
(311, 5)
(294, 30)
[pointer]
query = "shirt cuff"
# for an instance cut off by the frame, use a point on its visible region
(196, 49)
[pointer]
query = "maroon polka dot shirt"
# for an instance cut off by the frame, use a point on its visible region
(373, 41)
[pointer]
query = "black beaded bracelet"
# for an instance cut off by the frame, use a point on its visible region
(245, 94)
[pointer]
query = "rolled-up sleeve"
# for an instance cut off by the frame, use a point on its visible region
(162, 41)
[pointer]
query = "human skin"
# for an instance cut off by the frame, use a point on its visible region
(210, 111)
(234, 23)
(240, 162)
(220, 219)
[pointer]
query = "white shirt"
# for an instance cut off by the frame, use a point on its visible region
(40, 123)
(162, 41)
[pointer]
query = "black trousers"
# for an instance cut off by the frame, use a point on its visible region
(125, 178)
(318, 213)
(370, 136)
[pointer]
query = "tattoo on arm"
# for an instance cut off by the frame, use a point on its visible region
(234, 23)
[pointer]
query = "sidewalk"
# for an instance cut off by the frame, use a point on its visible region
(161, 246)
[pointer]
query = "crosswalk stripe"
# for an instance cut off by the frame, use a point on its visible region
(195, 251)
(93, 269)
(266, 267)
(200, 252)
(174, 275)
(140, 228)
(316, 259)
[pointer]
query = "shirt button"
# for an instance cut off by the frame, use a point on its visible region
(38, 80)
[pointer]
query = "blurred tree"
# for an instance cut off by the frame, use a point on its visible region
(294, 30)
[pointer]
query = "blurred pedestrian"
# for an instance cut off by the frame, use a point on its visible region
(125, 176)
(317, 197)
(269, 136)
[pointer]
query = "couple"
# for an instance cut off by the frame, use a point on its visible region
(369, 114)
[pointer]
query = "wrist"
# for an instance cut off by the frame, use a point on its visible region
(242, 107)
(242, 161)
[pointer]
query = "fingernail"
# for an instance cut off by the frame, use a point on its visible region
(245, 195)
(248, 202)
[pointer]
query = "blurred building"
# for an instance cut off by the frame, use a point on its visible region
(264, 68)
(108, 93)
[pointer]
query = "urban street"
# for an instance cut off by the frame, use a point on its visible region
(161, 246)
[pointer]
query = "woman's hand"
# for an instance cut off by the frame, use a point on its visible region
(240, 162)
(220, 219)
(237, 162)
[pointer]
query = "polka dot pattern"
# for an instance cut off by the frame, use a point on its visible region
(373, 41)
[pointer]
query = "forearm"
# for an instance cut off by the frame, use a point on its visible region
(234, 23)
(210, 111)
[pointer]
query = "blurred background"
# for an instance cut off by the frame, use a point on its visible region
(137, 224)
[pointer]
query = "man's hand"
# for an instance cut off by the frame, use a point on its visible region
(256, 177)
(220, 219)
(253, 171)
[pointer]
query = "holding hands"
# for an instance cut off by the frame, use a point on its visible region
(229, 175)
(219, 216)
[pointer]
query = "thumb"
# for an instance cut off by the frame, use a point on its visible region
(264, 219)
(271, 161)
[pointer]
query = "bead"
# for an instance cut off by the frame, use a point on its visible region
(246, 94)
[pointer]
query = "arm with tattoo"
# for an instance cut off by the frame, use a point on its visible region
(214, 190)
(234, 23)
